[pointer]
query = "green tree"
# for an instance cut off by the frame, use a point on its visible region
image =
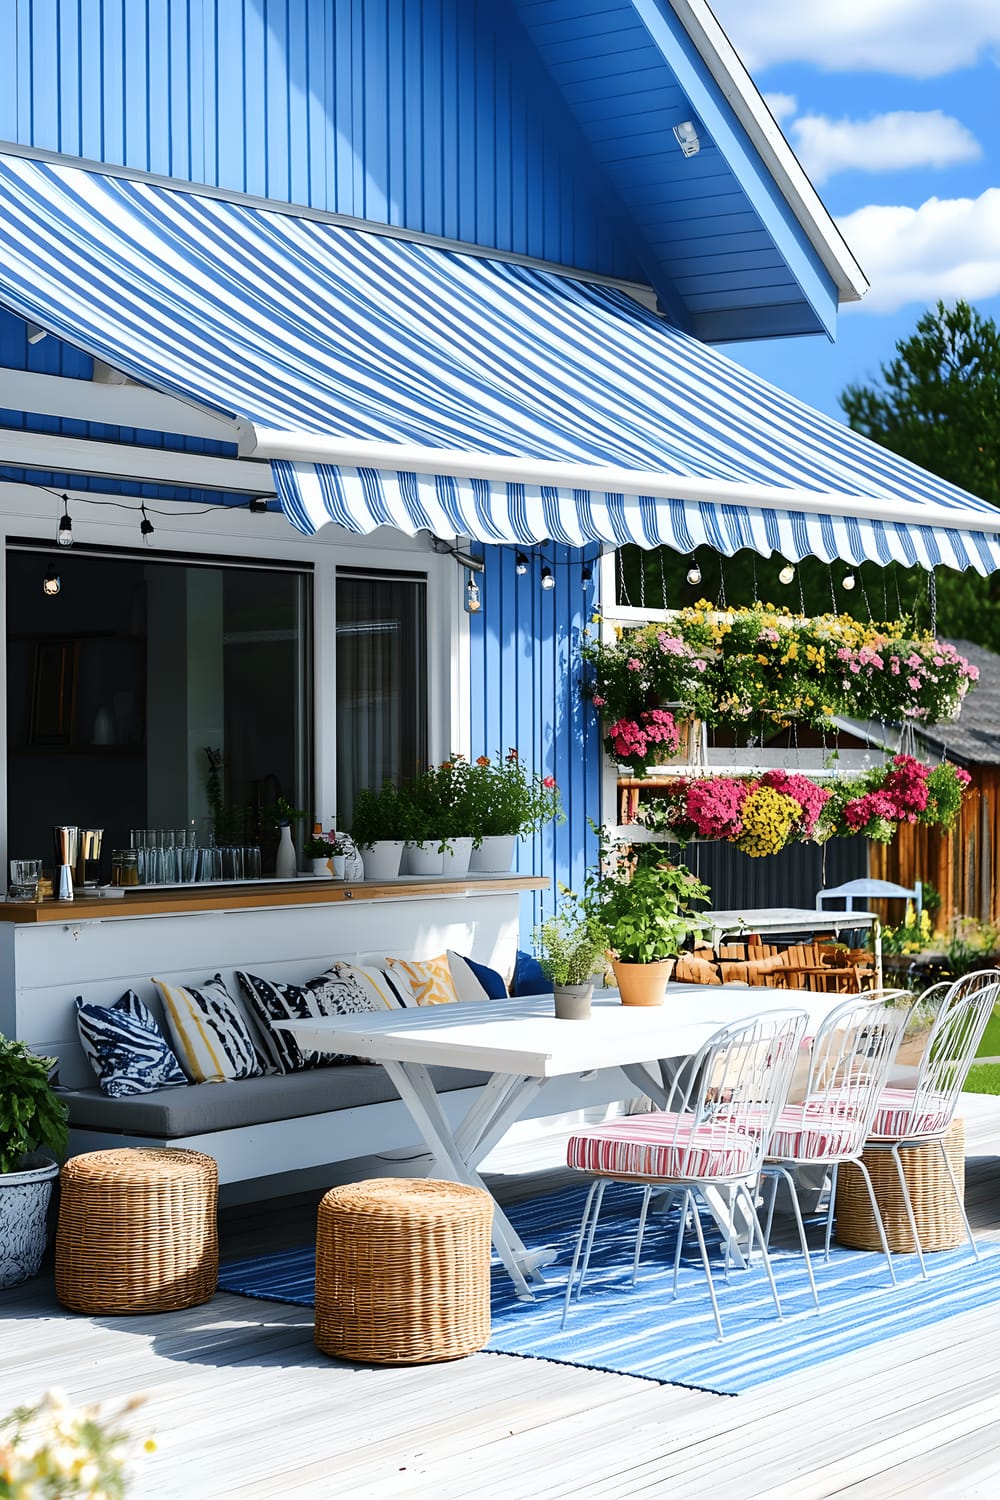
(938, 404)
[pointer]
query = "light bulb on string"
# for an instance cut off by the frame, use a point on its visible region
(787, 574)
(547, 580)
(586, 577)
(146, 526)
(694, 575)
(473, 596)
(64, 535)
(51, 583)
(520, 565)
(849, 581)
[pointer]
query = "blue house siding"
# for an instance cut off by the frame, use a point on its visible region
(431, 115)
(525, 695)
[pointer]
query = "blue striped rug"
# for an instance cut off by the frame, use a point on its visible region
(640, 1331)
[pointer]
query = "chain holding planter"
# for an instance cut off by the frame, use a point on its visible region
(762, 669)
(762, 815)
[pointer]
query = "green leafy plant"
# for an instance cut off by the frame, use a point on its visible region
(378, 815)
(643, 904)
(570, 945)
(502, 796)
(318, 848)
(32, 1116)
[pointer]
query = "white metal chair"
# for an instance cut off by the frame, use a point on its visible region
(849, 1061)
(710, 1135)
(906, 1118)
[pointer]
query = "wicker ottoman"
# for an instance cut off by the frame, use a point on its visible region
(137, 1231)
(939, 1222)
(403, 1271)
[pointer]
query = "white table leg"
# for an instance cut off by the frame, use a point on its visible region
(416, 1089)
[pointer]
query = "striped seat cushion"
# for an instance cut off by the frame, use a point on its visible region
(805, 1132)
(896, 1116)
(663, 1145)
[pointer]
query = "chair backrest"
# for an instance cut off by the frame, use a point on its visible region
(849, 1061)
(948, 1056)
(737, 1084)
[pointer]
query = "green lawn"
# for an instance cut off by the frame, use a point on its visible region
(990, 1044)
(984, 1078)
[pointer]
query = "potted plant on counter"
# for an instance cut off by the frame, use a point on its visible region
(379, 829)
(571, 948)
(318, 850)
(32, 1125)
(504, 800)
(644, 906)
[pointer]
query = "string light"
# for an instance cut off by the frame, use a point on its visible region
(520, 565)
(64, 535)
(694, 575)
(849, 581)
(146, 526)
(586, 576)
(473, 597)
(787, 574)
(547, 580)
(51, 583)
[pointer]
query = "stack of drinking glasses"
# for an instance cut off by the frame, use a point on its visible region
(173, 856)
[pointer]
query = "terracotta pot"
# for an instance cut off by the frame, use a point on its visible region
(572, 1001)
(643, 984)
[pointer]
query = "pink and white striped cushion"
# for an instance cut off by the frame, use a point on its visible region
(663, 1145)
(895, 1118)
(812, 1133)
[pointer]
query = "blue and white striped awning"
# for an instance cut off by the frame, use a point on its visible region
(397, 383)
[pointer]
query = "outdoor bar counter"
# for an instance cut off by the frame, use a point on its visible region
(98, 946)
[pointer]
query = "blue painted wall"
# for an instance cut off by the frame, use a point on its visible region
(525, 671)
(435, 115)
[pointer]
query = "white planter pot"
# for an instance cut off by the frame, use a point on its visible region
(338, 866)
(24, 1202)
(455, 859)
(382, 859)
(424, 858)
(495, 855)
(321, 868)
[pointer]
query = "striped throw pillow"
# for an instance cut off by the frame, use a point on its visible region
(326, 995)
(210, 1032)
(429, 979)
(126, 1048)
(385, 990)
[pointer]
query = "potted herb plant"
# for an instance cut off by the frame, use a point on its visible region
(378, 829)
(319, 850)
(33, 1134)
(571, 948)
(504, 800)
(644, 906)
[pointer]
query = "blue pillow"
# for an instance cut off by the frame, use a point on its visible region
(528, 976)
(126, 1048)
(491, 981)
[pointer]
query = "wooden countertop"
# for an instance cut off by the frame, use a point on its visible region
(143, 901)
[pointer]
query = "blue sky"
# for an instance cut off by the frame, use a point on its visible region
(893, 108)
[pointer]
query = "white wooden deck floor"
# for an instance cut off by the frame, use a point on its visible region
(241, 1403)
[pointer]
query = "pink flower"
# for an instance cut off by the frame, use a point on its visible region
(914, 683)
(634, 664)
(598, 701)
(548, 782)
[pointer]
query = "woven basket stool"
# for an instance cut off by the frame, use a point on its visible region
(403, 1271)
(939, 1222)
(137, 1231)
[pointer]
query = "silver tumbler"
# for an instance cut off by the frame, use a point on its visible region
(66, 839)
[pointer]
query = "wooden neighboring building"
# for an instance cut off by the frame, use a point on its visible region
(961, 865)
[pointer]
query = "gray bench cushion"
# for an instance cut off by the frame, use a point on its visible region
(174, 1113)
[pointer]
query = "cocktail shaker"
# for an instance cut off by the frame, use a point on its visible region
(88, 855)
(66, 839)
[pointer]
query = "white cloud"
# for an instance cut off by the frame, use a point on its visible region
(782, 105)
(912, 38)
(889, 142)
(943, 250)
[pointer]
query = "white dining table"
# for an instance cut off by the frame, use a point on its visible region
(521, 1046)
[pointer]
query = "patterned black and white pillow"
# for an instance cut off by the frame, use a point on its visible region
(126, 1048)
(211, 1033)
(329, 994)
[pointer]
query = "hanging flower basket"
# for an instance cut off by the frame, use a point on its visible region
(765, 668)
(762, 815)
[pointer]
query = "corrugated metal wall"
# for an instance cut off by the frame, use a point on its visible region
(430, 114)
(525, 671)
(791, 878)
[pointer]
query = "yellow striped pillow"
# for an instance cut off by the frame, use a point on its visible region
(429, 979)
(210, 1033)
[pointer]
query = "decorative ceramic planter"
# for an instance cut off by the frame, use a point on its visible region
(382, 859)
(455, 859)
(423, 858)
(320, 868)
(643, 984)
(24, 1202)
(572, 1001)
(338, 866)
(495, 854)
